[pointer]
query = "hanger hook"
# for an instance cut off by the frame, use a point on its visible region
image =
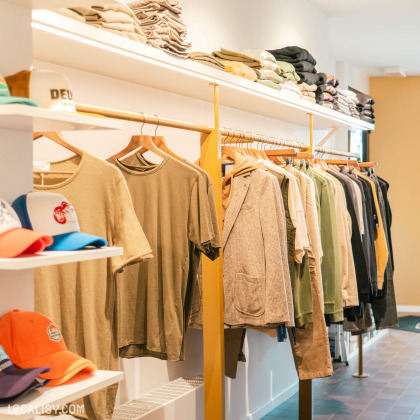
(158, 123)
(144, 122)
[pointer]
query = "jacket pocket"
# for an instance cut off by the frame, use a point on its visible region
(249, 294)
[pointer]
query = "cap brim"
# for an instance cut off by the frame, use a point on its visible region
(17, 100)
(76, 240)
(64, 365)
(18, 241)
(4, 402)
(13, 382)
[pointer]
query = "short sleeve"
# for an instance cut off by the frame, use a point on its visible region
(200, 229)
(127, 231)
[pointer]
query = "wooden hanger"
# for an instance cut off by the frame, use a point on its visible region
(138, 141)
(368, 164)
(58, 138)
(160, 142)
(282, 152)
(305, 155)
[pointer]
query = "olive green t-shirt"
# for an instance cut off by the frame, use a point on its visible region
(170, 200)
(80, 297)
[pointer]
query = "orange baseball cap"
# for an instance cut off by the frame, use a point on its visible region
(33, 340)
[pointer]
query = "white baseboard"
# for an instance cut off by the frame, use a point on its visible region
(273, 403)
(404, 308)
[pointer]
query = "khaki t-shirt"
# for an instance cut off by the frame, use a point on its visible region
(193, 309)
(80, 297)
(171, 203)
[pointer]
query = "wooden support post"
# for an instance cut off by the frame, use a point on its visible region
(213, 316)
(328, 136)
(360, 374)
(311, 134)
(305, 400)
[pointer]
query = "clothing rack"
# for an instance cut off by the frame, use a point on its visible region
(325, 151)
(213, 311)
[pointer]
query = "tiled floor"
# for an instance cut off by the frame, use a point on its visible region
(392, 391)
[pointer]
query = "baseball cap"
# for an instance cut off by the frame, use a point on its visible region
(15, 383)
(14, 240)
(52, 90)
(53, 213)
(32, 340)
(6, 98)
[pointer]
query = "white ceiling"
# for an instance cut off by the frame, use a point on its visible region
(374, 34)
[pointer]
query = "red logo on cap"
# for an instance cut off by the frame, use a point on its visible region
(60, 212)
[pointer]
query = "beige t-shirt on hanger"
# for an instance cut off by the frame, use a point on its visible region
(194, 309)
(171, 203)
(80, 297)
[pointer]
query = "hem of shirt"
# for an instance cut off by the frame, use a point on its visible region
(315, 375)
(337, 316)
(137, 259)
(145, 351)
(329, 308)
(351, 302)
(303, 319)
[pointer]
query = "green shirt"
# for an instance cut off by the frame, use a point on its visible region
(330, 264)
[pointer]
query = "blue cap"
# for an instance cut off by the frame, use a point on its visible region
(53, 214)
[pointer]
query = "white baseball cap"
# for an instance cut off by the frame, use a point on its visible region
(52, 213)
(50, 89)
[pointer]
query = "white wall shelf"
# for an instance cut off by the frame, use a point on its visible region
(55, 4)
(66, 42)
(30, 118)
(38, 401)
(45, 258)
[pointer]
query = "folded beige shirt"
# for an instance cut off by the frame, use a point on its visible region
(310, 88)
(264, 74)
(261, 55)
(207, 59)
(70, 14)
(270, 84)
(172, 5)
(240, 69)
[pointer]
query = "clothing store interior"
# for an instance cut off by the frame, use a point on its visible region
(208, 210)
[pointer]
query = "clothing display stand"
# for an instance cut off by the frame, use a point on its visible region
(360, 373)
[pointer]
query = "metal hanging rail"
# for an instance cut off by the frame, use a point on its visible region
(239, 136)
(333, 152)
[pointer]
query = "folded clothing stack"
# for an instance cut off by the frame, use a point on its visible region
(302, 61)
(326, 90)
(116, 18)
(345, 102)
(292, 89)
(260, 62)
(308, 92)
(365, 107)
(288, 71)
(206, 59)
(163, 26)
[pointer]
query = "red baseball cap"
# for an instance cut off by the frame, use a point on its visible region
(32, 340)
(14, 240)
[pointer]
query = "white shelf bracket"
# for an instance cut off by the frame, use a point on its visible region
(328, 136)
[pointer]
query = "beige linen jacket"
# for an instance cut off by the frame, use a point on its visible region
(257, 287)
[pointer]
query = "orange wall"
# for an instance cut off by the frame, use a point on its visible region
(395, 144)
